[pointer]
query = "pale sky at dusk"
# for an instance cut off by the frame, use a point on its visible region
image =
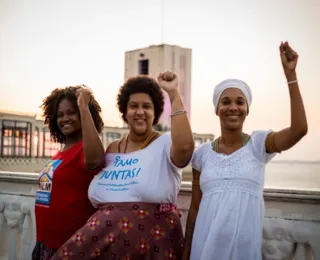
(47, 44)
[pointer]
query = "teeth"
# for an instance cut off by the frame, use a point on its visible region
(233, 117)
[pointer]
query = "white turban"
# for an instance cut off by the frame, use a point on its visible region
(231, 83)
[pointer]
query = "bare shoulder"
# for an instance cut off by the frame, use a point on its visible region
(113, 147)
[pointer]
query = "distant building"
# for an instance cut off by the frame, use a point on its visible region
(26, 136)
(159, 58)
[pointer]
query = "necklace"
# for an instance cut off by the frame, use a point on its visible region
(144, 144)
(215, 143)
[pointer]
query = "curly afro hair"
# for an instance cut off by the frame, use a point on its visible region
(141, 84)
(50, 110)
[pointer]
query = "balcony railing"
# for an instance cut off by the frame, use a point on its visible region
(291, 223)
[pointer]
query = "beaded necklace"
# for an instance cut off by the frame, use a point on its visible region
(146, 142)
(215, 143)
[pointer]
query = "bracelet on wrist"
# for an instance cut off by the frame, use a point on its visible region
(179, 112)
(292, 82)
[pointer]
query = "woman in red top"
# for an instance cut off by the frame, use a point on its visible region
(62, 204)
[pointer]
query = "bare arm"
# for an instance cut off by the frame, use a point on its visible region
(182, 138)
(193, 212)
(113, 147)
(92, 145)
(288, 137)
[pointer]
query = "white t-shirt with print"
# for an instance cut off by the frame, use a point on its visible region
(146, 175)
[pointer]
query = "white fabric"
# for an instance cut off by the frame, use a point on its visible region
(230, 217)
(231, 83)
(147, 175)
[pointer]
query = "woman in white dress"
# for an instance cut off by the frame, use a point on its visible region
(226, 213)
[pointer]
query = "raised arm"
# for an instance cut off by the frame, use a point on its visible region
(193, 212)
(182, 139)
(288, 137)
(92, 145)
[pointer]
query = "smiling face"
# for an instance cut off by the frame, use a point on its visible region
(232, 109)
(68, 119)
(140, 113)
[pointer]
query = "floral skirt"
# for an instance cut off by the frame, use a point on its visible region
(41, 252)
(123, 231)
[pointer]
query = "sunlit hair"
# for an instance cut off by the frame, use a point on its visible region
(50, 111)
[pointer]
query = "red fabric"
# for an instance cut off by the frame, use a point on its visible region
(127, 230)
(69, 207)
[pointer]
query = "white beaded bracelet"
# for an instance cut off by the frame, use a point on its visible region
(179, 112)
(293, 81)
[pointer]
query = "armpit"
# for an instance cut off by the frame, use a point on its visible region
(270, 144)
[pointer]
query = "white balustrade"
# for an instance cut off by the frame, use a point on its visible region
(291, 224)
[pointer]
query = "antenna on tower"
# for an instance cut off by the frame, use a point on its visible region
(162, 20)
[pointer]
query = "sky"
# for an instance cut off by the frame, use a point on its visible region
(47, 44)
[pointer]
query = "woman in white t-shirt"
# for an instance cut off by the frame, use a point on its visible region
(137, 190)
(227, 208)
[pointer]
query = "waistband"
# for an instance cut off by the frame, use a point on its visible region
(123, 206)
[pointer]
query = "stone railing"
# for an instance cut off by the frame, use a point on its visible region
(291, 224)
(26, 164)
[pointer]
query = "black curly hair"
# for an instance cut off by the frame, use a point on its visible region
(50, 110)
(141, 84)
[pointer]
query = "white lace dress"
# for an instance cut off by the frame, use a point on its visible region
(230, 218)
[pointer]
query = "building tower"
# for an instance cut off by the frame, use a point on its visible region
(159, 58)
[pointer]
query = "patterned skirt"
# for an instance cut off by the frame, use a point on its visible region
(41, 252)
(123, 231)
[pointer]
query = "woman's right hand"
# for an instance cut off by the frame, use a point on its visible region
(84, 96)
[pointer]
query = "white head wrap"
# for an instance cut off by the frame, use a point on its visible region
(231, 83)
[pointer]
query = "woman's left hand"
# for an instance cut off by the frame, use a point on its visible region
(289, 59)
(168, 81)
